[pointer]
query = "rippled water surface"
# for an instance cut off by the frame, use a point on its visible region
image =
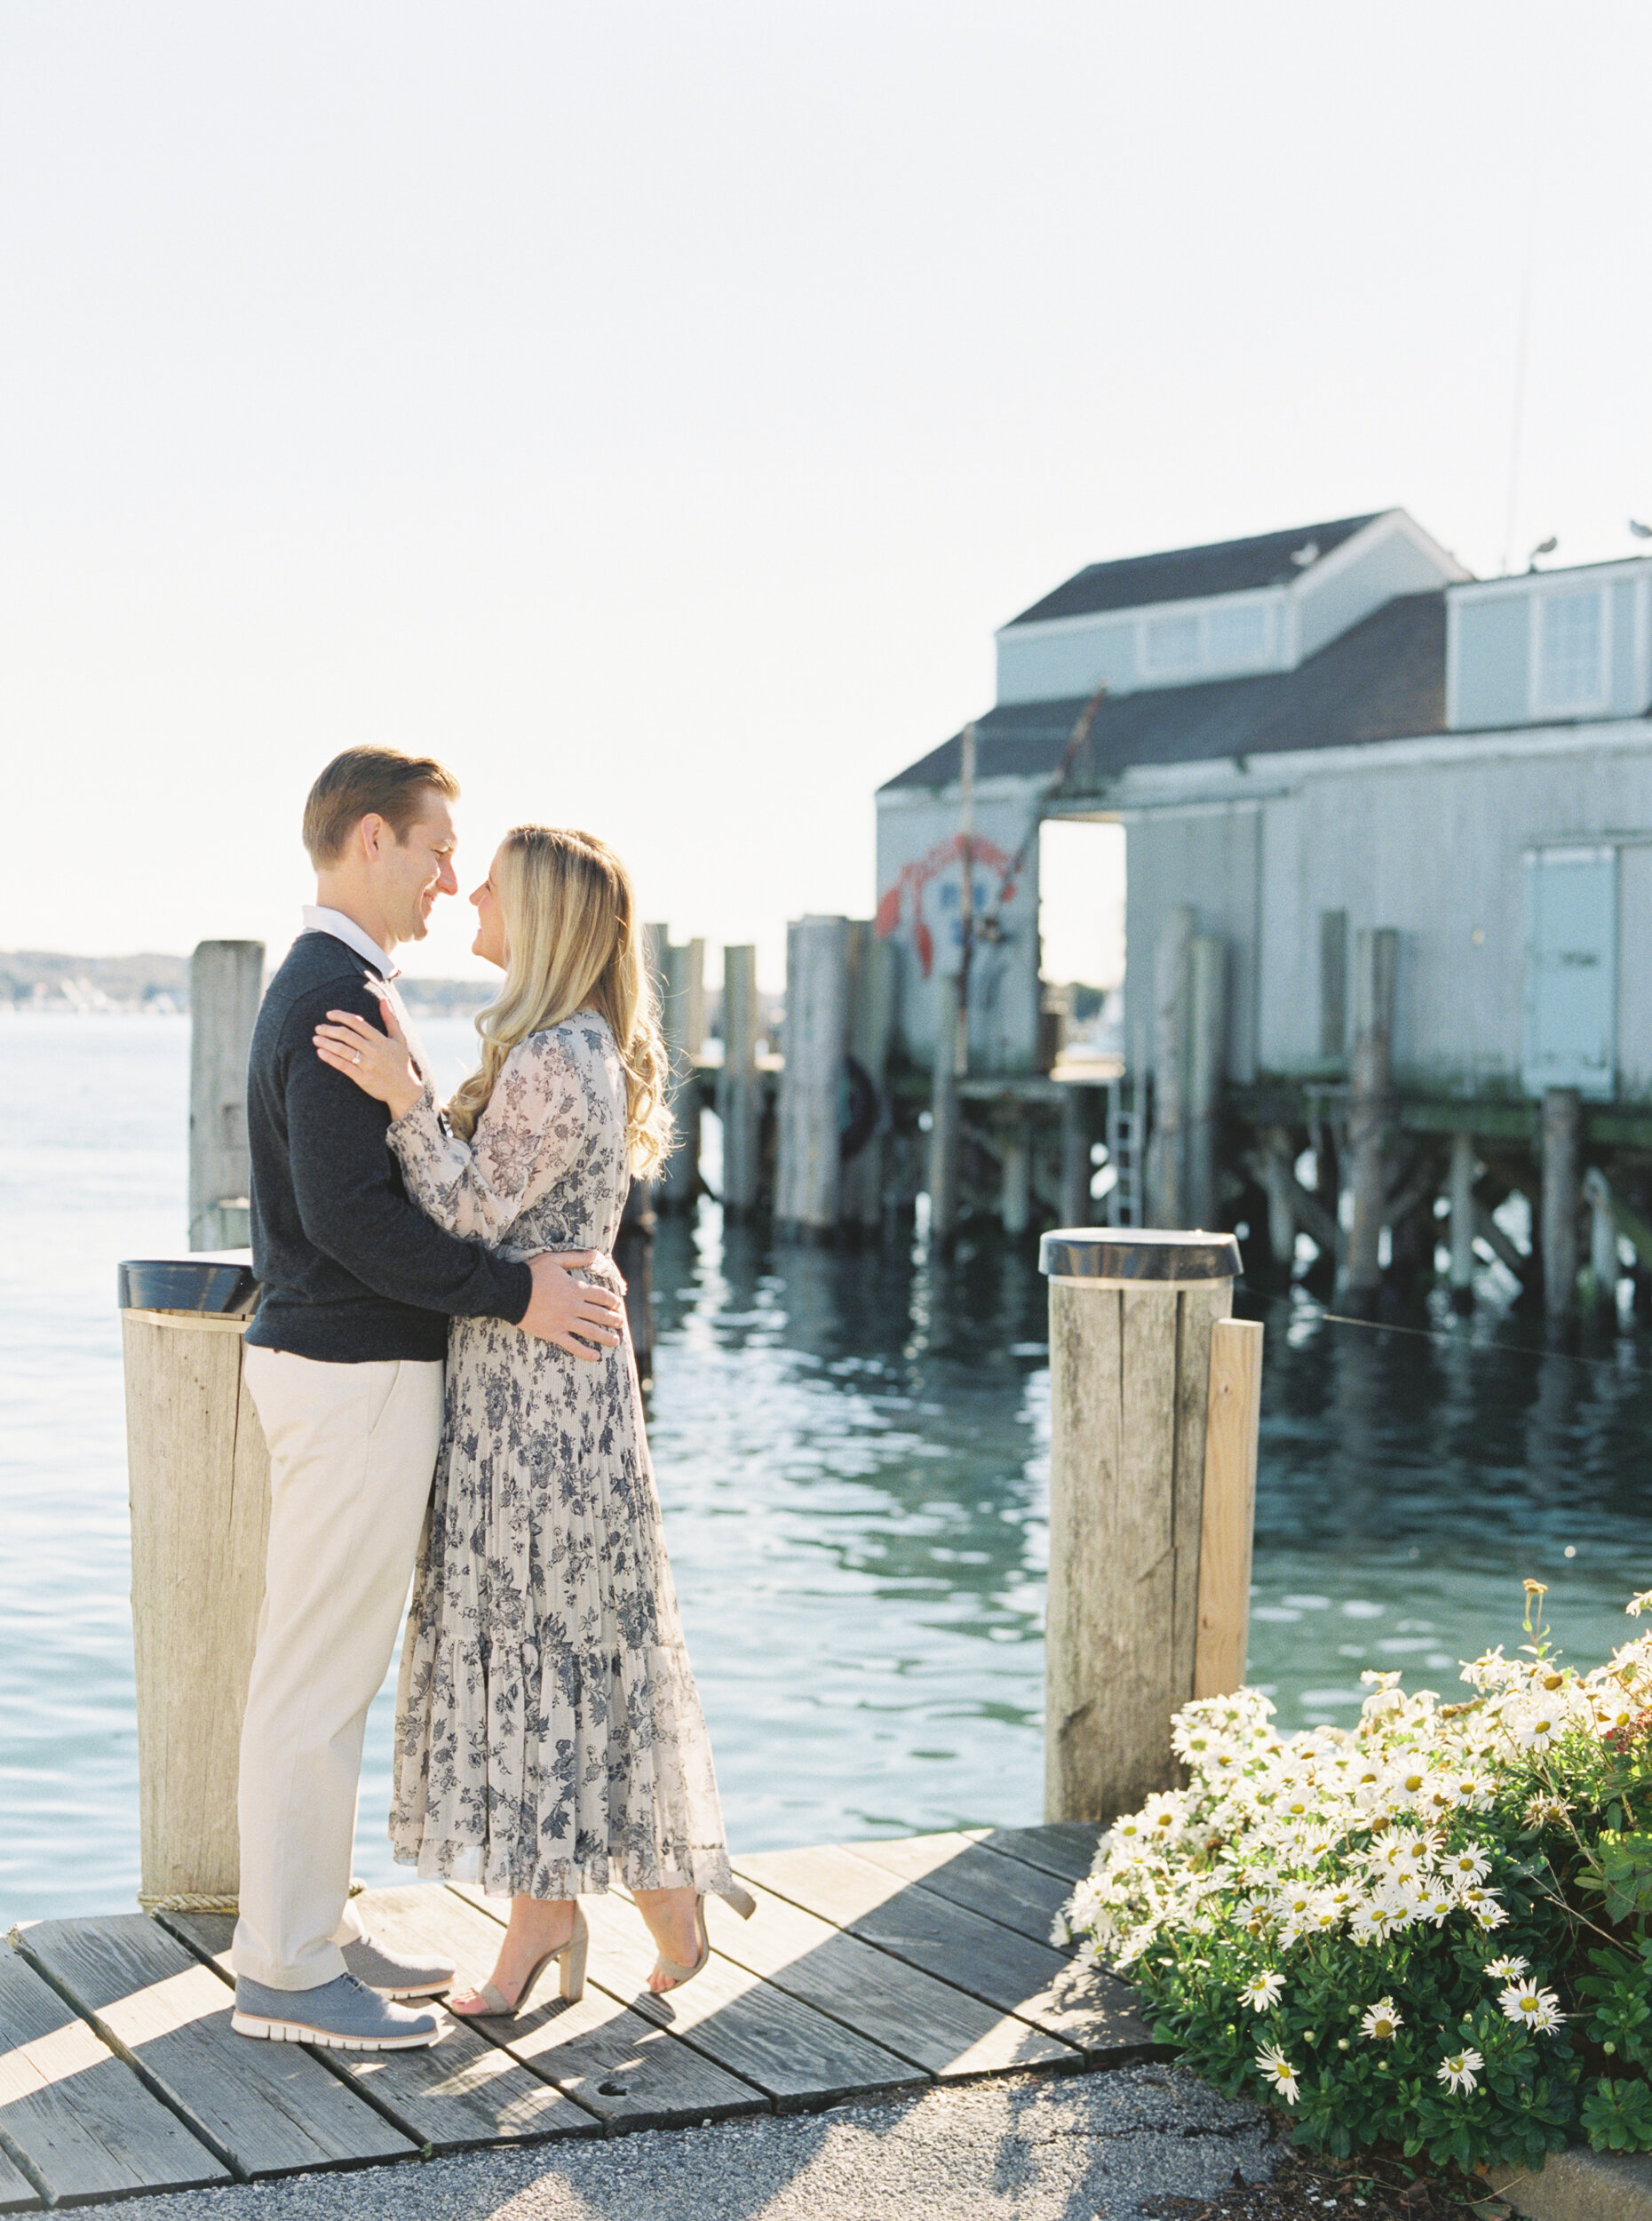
(852, 1454)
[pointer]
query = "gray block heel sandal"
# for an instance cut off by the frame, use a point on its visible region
(741, 1900)
(571, 1963)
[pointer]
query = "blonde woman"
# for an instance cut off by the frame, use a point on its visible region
(549, 1738)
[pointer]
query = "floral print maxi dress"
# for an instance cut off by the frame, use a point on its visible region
(549, 1738)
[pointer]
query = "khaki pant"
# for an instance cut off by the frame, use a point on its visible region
(352, 1448)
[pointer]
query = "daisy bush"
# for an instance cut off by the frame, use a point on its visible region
(1433, 1930)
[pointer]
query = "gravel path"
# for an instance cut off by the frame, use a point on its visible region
(1070, 2148)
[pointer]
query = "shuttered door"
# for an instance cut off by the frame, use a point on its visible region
(1571, 970)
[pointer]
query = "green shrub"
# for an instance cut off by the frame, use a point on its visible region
(1433, 1930)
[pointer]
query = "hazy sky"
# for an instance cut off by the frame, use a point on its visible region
(653, 408)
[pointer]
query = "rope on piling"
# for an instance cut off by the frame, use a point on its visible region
(184, 1901)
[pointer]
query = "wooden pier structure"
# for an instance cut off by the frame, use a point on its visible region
(870, 1968)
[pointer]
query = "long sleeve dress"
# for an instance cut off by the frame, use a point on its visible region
(549, 1738)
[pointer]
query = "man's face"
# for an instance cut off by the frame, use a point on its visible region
(412, 872)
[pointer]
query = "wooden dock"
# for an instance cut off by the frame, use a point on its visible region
(869, 1968)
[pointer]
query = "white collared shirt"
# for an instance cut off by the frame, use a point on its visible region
(318, 918)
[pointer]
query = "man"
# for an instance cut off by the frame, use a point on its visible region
(343, 1363)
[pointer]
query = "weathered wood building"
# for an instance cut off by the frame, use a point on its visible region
(1403, 806)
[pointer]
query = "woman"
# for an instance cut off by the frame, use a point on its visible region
(549, 1740)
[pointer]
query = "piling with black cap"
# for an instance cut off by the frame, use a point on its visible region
(199, 1481)
(1155, 1391)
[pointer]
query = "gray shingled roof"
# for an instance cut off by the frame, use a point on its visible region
(1382, 680)
(1187, 574)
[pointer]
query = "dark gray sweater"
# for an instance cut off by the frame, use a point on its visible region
(352, 1272)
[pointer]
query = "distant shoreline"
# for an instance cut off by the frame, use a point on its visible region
(92, 986)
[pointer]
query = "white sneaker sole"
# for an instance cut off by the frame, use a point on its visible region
(296, 2031)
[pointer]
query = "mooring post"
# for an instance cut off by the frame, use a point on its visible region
(1603, 1265)
(1376, 955)
(809, 1175)
(225, 982)
(871, 1027)
(1167, 1182)
(739, 1107)
(1207, 983)
(1077, 1118)
(1133, 1354)
(682, 1015)
(1562, 1202)
(943, 1120)
(1014, 1173)
(1461, 1196)
(198, 1477)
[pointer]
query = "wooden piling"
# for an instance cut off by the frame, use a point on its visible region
(1166, 1168)
(198, 1477)
(1603, 1265)
(1375, 966)
(1015, 1174)
(1077, 1122)
(1131, 1318)
(739, 1106)
(943, 1121)
(1280, 1185)
(1463, 1216)
(809, 1173)
(1562, 1201)
(1207, 997)
(871, 1028)
(226, 982)
(682, 1015)
(1228, 1518)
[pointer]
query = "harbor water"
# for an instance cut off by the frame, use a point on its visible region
(852, 1454)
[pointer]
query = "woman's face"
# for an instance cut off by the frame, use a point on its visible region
(490, 943)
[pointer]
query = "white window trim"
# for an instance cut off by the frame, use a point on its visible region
(1585, 705)
(1201, 665)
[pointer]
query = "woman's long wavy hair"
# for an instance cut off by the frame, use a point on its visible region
(572, 944)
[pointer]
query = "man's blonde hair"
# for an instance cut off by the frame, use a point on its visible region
(573, 943)
(367, 783)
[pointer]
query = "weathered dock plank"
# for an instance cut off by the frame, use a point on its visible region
(80, 2116)
(796, 2056)
(1093, 2013)
(264, 2108)
(1017, 1896)
(936, 2027)
(463, 2092)
(622, 2068)
(1067, 1848)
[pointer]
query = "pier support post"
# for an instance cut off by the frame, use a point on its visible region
(1375, 963)
(1603, 1266)
(739, 1107)
(226, 982)
(1167, 1190)
(1279, 1182)
(1206, 1034)
(943, 1121)
(1078, 1119)
(871, 1025)
(198, 1477)
(1562, 1202)
(809, 1174)
(1463, 1214)
(1134, 1318)
(1015, 1175)
(682, 1015)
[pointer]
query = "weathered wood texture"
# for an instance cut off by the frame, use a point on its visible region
(264, 2108)
(81, 2117)
(809, 1173)
(957, 1866)
(1129, 1374)
(199, 1481)
(1067, 1848)
(1562, 1199)
(739, 1102)
(1227, 1524)
(870, 1029)
(1375, 959)
(225, 982)
(463, 2092)
(1207, 991)
(682, 1015)
(932, 2023)
(1093, 2013)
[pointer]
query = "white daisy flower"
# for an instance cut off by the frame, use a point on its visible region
(1382, 2023)
(1530, 2007)
(1507, 1970)
(1279, 2071)
(1458, 2069)
(1261, 1992)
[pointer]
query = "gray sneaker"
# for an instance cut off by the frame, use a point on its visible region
(343, 2014)
(395, 1974)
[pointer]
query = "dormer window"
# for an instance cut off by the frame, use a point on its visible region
(1171, 643)
(1570, 642)
(1239, 635)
